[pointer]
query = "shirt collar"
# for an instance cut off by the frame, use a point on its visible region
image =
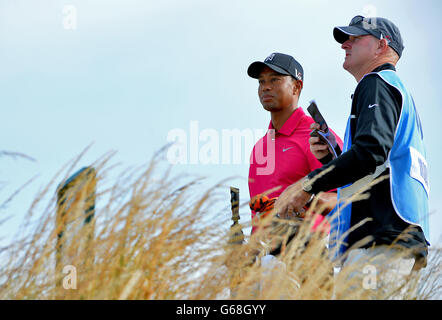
(292, 122)
(385, 66)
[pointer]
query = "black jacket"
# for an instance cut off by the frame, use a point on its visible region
(375, 111)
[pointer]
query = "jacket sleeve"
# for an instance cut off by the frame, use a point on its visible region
(375, 114)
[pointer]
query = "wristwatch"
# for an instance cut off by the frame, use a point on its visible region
(307, 185)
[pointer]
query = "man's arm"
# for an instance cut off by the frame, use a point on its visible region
(376, 113)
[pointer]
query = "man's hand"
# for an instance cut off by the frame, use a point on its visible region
(291, 202)
(327, 200)
(319, 149)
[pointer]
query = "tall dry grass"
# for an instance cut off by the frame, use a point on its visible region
(158, 235)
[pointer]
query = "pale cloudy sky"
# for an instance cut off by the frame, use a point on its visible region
(124, 74)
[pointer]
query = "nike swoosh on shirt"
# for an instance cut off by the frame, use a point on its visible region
(372, 105)
(284, 150)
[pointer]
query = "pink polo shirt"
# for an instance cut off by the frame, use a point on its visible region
(284, 160)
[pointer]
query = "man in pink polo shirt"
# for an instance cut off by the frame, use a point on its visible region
(283, 155)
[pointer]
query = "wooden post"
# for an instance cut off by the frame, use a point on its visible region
(236, 239)
(75, 221)
(236, 235)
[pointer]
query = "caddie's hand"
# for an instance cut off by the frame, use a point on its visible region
(326, 200)
(318, 148)
(291, 202)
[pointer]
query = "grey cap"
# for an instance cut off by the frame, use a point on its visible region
(279, 62)
(380, 28)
